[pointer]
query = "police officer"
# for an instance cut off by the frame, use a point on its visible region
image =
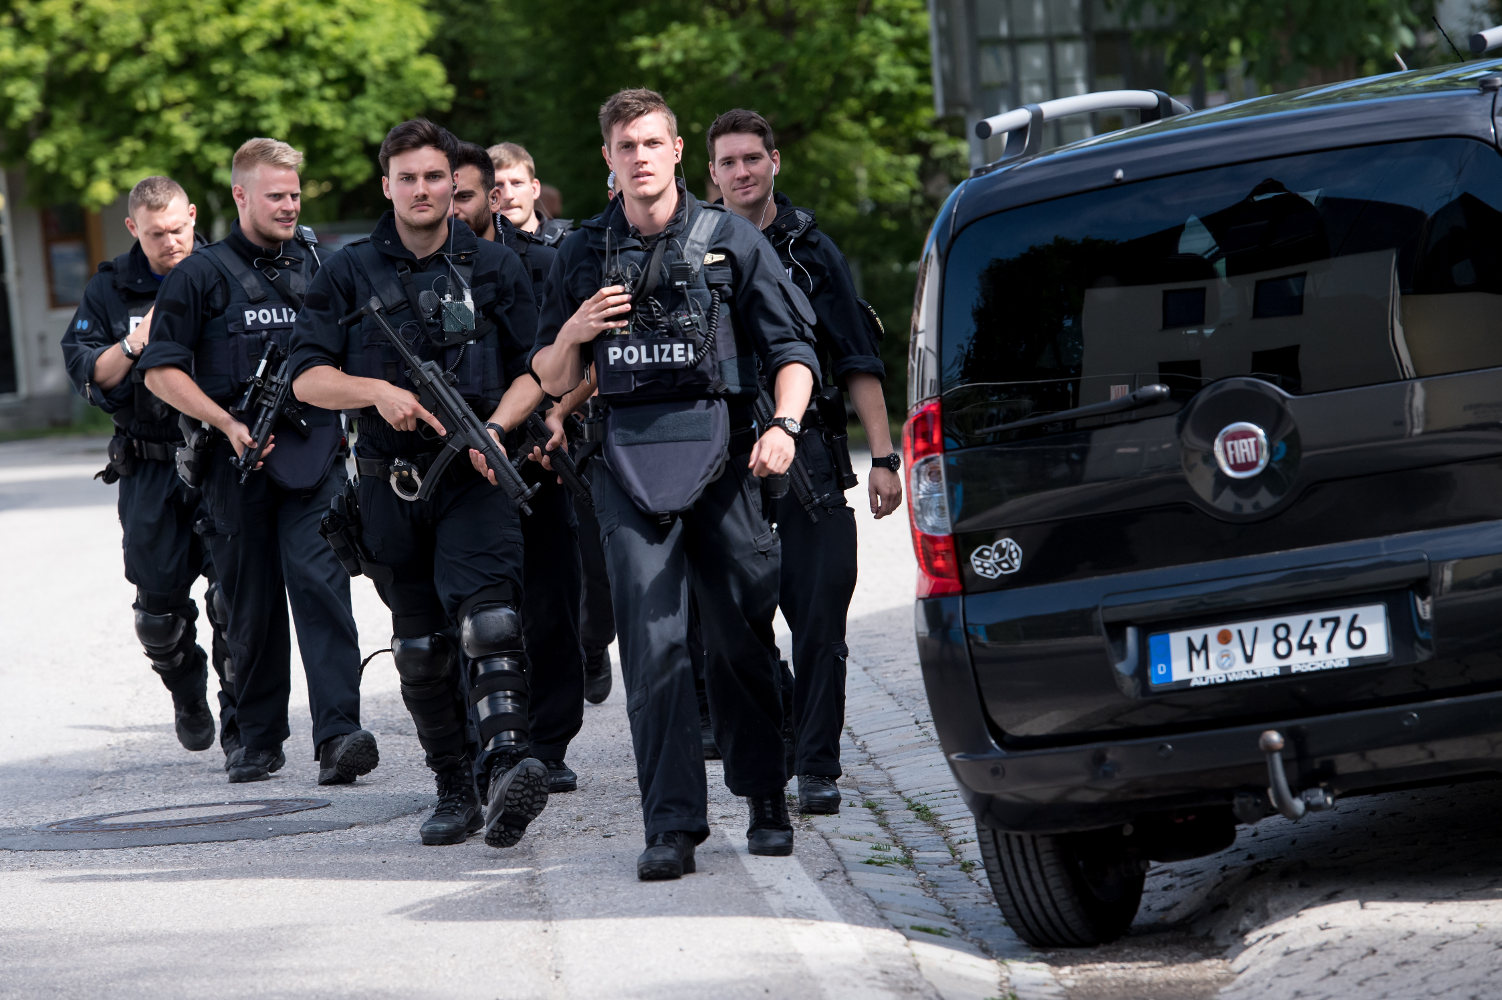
(519, 193)
(550, 567)
(216, 316)
(818, 528)
(163, 554)
(674, 302)
(449, 565)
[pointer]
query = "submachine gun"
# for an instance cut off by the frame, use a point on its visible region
(534, 433)
(440, 398)
(267, 399)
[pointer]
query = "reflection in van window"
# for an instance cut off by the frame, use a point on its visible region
(1315, 272)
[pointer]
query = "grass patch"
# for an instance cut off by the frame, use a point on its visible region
(967, 866)
(925, 929)
(922, 811)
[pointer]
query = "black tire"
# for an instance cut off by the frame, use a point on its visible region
(1067, 890)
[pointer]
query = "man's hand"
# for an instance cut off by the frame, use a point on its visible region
(884, 487)
(772, 453)
(400, 408)
(604, 310)
(557, 438)
(477, 458)
(240, 439)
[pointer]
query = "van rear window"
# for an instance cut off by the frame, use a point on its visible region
(1315, 272)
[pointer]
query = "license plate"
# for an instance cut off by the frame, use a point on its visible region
(1268, 647)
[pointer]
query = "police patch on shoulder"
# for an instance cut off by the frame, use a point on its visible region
(1001, 557)
(713, 258)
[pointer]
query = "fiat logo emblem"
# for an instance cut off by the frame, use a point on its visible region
(1241, 450)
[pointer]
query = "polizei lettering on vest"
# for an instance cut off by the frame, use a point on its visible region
(638, 354)
(268, 317)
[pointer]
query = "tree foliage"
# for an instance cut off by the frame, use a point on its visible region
(1278, 44)
(845, 84)
(95, 94)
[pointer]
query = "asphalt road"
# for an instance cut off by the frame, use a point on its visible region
(1391, 896)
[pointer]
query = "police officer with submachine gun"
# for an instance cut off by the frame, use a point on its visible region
(163, 553)
(217, 318)
(550, 569)
(674, 302)
(424, 330)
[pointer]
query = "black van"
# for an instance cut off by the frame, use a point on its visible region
(1205, 458)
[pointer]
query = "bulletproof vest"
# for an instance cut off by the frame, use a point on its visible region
(552, 231)
(537, 264)
(263, 304)
(680, 344)
(147, 416)
(470, 358)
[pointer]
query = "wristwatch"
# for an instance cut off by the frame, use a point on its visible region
(126, 350)
(788, 424)
(892, 462)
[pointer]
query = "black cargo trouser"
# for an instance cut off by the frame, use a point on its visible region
(460, 547)
(817, 583)
(268, 553)
(722, 550)
(164, 556)
(596, 617)
(550, 618)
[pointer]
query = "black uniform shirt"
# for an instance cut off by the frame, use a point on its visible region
(193, 293)
(501, 290)
(845, 331)
(770, 316)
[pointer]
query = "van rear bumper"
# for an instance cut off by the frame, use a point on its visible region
(1107, 782)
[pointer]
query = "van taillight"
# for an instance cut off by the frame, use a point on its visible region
(928, 503)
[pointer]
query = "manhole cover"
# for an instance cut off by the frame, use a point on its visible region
(169, 817)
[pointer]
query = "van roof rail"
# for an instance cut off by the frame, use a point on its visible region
(1154, 104)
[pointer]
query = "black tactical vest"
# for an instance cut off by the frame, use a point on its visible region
(473, 363)
(146, 417)
(680, 344)
(263, 304)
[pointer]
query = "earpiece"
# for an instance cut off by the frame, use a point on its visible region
(775, 168)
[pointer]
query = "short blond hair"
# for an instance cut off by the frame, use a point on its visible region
(255, 152)
(153, 193)
(505, 155)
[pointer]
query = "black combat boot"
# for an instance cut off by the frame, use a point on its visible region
(344, 758)
(193, 720)
(668, 855)
(561, 777)
(254, 765)
(597, 675)
(518, 794)
(818, 794)
(458, 812)
(770, 832)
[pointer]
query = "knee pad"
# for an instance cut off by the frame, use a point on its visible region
(216, 607)
(489, 629)
(162, 637)
(423, 659)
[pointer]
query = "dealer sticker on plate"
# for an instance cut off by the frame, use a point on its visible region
(1268, 647)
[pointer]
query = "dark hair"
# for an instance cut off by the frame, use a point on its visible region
(468, 154)
(737, 122)
(627, 106)
(417, 133)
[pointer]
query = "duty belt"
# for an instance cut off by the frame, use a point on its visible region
(405, 475)
(155, 451)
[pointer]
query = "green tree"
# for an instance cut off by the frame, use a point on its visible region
(95, 94)
(1279, 44)
(846, 86)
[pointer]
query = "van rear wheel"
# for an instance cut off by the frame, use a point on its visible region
(1063, 890)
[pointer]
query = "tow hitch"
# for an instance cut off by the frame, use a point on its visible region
(1283, 799)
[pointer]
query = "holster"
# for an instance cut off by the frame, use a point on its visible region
(341, 528)
(829, 404)
(192, 453)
